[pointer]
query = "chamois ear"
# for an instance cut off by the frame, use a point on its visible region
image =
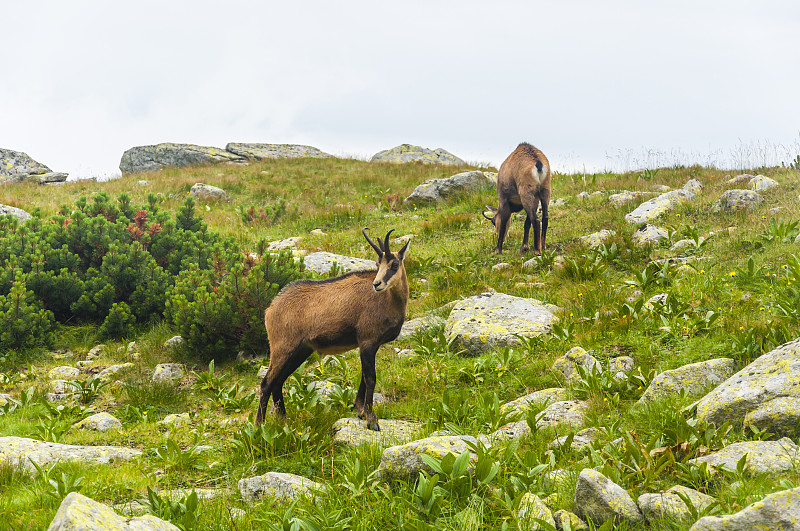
(401, 254)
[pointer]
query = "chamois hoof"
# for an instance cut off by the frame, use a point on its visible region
(373, 425)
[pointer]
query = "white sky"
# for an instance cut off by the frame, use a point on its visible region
(614, 84)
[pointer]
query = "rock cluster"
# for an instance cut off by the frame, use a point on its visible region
(16, 166)
(409, 153)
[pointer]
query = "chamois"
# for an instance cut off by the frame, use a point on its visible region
(522, 183)
(360, 309)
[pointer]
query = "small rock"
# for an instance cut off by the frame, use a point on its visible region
(108, 373)
(79, 513)
(759, 183)
(669, 506)
(598, 499)
(165, 372)
(405, 461)
(353, 432)
(99, 422)
(780, 510)
(531, 507)
(763, 457)
(207, 192)
(572, 412)
(649, 235)
(176, 420)
(405, 153)
(734, 200)
(287, 243)
(279, 486)
(567, 520)
(597, 238)
(174, 342)
(517, 408)
(501, 266)
(321, 262)
(317, 232)
(64, 372)
(567, 364)
(693, 379)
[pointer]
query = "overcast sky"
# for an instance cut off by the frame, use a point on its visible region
(602, 84)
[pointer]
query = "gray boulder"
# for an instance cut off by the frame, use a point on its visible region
(278, 486)
(694, 379)
(275, 151)
(779, 511)
(572, 412)
(435, 190)
(321, 262)
(79, 513)
(649, 235)
(759, 183)
(286, 243)
(598, 499)
(408, 153)
(519, 407)
(733, 200)
(207, 192)
(694, 186)
(532, 507)
(53, 177)
(152, 158)
(650, 210)
(18, 213)
(567, 365)
(166, 372)
(765, 394)
(670, 506)
(419, 324)
(491, 320)
(99, 422)
(581, 441)
(597, 238)
(174, 342)
(763, 457)
(19, 451)
(16, 166)
(405, 461)
(64, 372)
(354, 432)
(176, 420)
(567, 520)
(626, 196)
(739, 179)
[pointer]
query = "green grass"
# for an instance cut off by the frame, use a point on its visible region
(743, 274)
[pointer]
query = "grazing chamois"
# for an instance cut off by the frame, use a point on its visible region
(361, 309)
(522, 183)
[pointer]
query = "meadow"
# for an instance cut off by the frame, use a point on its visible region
(737, 298)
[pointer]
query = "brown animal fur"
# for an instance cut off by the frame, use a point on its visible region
(523, 182)
(361, 309)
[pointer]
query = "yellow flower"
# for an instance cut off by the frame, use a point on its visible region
(702, 271)
(732, 273)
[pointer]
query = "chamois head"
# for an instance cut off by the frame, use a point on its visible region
(493, 211)
(390, 265)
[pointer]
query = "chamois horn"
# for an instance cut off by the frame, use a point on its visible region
(385, 242)
(372, 243)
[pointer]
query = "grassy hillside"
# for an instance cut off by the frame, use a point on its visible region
(737, 298)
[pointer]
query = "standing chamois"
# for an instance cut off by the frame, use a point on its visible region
(360, 309)
(522, 183)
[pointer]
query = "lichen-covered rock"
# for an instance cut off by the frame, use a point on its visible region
(652, 209)
(765, 394)
(275, 151)
(51, 178)
(739, 179)
(491, 320)
(408, 153)
(567, 520)
(108, 373)
(207, 192)
(779, 511)
(405, 461)
(693, 379)
(321, 262)
(598, 499)
(519, 407)
(626, 196)
(669, 505)
(152, 158)
(532, 507)
(286, 243)
(166, 372)
(572, 412)
(759, 183)
(596, 239)
(581, 441)
(649, 235)
(18, 213)
(354, 432)
(694, 186)
(567, 365)
(99, 422)
(419, 324)
(621, 364)
(763, 457)
(278, 486)
(16, 166)
(176, 420)
(79, 513)
(733, 200)
(64, 372)
(174, 342)
(435, 190)
(20, 451)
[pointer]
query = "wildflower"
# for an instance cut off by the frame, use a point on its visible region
(741, 328)
(677, 215)
(762, 308)
(702, 271)
(732, 273)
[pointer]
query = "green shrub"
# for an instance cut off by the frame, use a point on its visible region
(23, 322)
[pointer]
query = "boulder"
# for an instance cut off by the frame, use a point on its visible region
(670, 506)
(408, 153)
(176, 420)
(649, 235)
(694, 379)
(598, 499)
(354, 432)
(405, 461)
(16, 166)
(321, 262)
(18, 213)
(20, 451)
(572, 412)
(108, 373)
(419, 324)
(596, 239)
(278, 486)
(567, 520)
(64, 372)
(166, 372)
(53, 177)
(532, 507)
(581, 441)
(567, 365)
(759, 183)
(275, 151)
(733, 200)
(152, 158)
(763, 457)
(621, 364)
(434, 191)
(779, 510)
(286, 243)
(765, 394)
(694, 186)
(626, 196)
(652, 209)
(491, 320)
(208, 192)
(99, 422)
(739, 179)
(79, 513)
(174, 342)
(519, 407)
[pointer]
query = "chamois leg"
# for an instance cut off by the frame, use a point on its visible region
(531, 207)
(505, 216)
(368, 379)
(358, 405)
(277, 373)
(545, 214)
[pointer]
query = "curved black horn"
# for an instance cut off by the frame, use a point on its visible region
(483, 212)
(372, 243)
(386, 241)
